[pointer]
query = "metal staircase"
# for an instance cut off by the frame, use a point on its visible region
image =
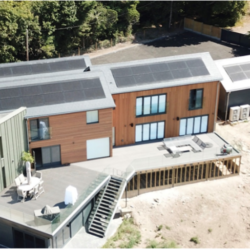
(105, 206)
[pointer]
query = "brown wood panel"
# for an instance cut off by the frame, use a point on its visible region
(71, 132)
(177, 106)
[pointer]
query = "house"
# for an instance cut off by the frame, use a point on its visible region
(235, 87)
(162, 97)
(74, 111)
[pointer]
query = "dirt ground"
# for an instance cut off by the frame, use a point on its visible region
(217, 212)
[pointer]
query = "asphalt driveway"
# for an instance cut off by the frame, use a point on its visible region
(180, 44)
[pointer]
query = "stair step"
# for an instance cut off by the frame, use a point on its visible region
(112, 191)
(110, 200)
(116, 179)
(114, 183)
(100, 210)
(96, 233)
(98, 224)
(98, 219)
(99, 227)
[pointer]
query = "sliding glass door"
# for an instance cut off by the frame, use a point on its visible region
(149, 131)
(193, 125)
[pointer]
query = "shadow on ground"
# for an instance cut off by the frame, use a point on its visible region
(176, 44)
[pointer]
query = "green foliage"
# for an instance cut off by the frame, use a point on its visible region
(168, 228)
(127, 236)
(159, 228)
(210, 230)
(26, 156)
(195, 240)
(64, 26)
(163, 244)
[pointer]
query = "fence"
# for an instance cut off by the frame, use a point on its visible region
(204, 29)
(216, 32)
(236, 38)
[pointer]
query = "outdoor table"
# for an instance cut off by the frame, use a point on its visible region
(27, 187)
(71, 195)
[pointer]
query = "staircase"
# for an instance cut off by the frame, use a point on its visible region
(105, 207)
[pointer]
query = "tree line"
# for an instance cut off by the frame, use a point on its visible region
(62, 26)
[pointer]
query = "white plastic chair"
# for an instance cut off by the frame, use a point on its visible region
(21, 193)
(17, 182)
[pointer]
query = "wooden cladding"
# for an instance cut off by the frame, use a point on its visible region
(71, 131)
(157, 179)
(177, 107)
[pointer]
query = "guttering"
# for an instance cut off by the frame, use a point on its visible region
(216, 105)
(227, 105)
(27, 134)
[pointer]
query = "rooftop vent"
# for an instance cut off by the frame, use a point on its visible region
(86, 69)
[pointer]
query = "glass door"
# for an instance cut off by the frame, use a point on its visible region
(149, 131)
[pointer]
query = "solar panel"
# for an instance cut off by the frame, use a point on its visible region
(39, 67)
(48, 94)
(128, 81)
(5, 72)
(144, 78)
(181, 73)
(119, 72)
(142, 69)
(158, 72)
(238, 72)
(177, 65)
(158, 67)
(162, 76)
(238, 76)
(21, 70)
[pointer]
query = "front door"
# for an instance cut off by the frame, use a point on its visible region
(193, 125)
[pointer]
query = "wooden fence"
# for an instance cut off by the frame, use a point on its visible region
(202, 28)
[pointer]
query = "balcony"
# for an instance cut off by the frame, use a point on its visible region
(39, 134)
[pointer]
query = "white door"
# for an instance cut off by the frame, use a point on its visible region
(98, 148)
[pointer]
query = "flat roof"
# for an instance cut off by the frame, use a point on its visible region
(56, 93)
(235, 73)
(133, 157)
(56, 180)
(43, 66)
(159, 72)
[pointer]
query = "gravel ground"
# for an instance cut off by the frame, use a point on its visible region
(217, 212)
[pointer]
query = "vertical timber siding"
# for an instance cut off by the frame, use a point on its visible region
(71, 132)
(13, 134)
(177, 106)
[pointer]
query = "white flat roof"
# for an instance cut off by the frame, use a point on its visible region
(227, 83)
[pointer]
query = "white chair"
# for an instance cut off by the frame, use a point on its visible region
(22, 178)
(21, 193)
(34, 192)
(17, 182)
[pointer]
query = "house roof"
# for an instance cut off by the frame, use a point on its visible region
(34, 67)
(56, 93)
(235, 72)
(159, 72)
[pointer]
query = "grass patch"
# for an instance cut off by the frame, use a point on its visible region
(168, 228)
(162, 244)
(210, 230)
(127, 236)
(159, 228)
(195, 240)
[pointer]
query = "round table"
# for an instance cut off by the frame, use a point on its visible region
(27, 187)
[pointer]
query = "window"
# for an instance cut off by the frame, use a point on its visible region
(92, 116)
(150, 105)
(195, 100)
(149, 131)
(1, 148)
(193, 125)
(39, 129)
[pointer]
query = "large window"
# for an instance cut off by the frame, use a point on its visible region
(150, 105)
(193, 125)
(92, 116)
(196, 98)
(39, 129)
(149, 131)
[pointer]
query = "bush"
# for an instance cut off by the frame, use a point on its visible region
(195, 240)
(163, 244)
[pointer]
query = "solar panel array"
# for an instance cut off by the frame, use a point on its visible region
(41, 67)
(238, 72)
(49, 94)
(158, 72)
